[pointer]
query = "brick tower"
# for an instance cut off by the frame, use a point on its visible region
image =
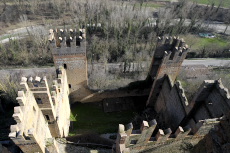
(69, 51)
(167, 60)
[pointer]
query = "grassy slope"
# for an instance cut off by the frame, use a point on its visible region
(88, 118)
(226, 3)
(198, 43)
(149, 4)
(207, 41)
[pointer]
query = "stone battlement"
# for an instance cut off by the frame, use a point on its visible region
(69, 51)
(168, 57)
(150, 137)
(68, 41)
(40, 116)
(170, 46)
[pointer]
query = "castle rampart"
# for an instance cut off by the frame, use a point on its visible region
(69, 51)
(150, 137)
(40, 117)
(167, 60)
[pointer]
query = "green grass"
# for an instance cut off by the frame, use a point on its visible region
(226, 3)
(149, 4)
(208, 41)
(198, 43)
(6, 36)
(89, 118)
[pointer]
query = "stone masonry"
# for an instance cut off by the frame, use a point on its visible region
(42, 114)
(69, 51)
(149, 137)
(178, 118)
(167, 60)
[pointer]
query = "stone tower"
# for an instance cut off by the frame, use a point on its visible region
(167, 60)
(69, 51)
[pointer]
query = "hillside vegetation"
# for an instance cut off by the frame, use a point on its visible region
(117, 31)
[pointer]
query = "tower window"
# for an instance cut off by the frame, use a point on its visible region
(35, 85)
(47, 117)
(53, 100)
(39, 100)
(69, 85)
(68, 44)
(65, 66)
(34, 110)
(78, 42)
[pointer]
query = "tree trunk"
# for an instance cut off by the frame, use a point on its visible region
(226, 28)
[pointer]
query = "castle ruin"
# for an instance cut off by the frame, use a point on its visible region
(179, 119)
(70, 52)
(43, 115)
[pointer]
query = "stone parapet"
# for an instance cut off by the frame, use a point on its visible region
(42, 114)
(145, 139)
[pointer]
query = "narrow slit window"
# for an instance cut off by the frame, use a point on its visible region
(47, 117)
(65, 66)
(34, 110)
(68, 44)
(39, 100)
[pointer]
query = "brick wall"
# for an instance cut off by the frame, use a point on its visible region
(73, 59)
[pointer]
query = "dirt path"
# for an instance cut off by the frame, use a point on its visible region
(21, 33)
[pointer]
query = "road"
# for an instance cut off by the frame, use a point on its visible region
(207, 62)
(50, 71)
(22, 32)
(218, 27)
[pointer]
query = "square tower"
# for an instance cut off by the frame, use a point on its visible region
(69, 51)
(168, 58)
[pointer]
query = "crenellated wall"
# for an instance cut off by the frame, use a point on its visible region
(167, 60)
(69, 51)
(167, 98)
(60, 96)
(150, 137)
(211, 101)
(31, 129)
(40, 116)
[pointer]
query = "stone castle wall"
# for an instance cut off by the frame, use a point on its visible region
(211, 101)
(42, 115)
(167, 60)
(69, 51)
(199, 117)
(170, 104)
(150, 137)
